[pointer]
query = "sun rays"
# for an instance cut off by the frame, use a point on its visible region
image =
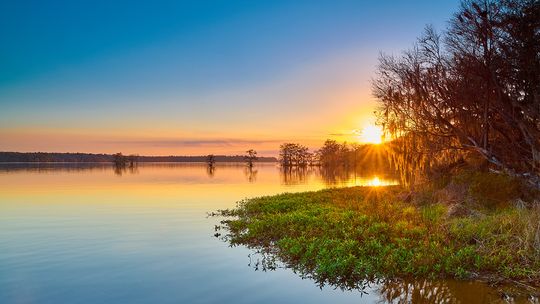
(371, 134)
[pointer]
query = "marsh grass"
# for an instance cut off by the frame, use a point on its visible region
(343, 236)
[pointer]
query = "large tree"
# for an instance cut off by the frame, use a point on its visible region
(473, 89)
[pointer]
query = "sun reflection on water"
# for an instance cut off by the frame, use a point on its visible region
(374, 181)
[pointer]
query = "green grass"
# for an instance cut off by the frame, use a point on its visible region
(342, 236)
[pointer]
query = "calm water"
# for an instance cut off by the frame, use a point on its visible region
(90, 234)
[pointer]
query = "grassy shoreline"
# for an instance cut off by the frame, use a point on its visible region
(348, 235)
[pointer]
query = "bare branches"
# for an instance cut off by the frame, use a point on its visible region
(474, 88)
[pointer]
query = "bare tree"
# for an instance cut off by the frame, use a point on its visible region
(250, 157)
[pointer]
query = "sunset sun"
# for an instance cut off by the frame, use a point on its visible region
(371, 134)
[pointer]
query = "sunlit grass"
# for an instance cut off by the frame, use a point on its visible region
(341, 236)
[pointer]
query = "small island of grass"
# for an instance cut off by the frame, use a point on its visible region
(470, 226)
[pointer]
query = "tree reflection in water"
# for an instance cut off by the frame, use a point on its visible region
(436, 291)
(295, 175)
(333, 176)
(210, 171)
(337, 175)
(399, 291)
(122, 169)
(251, 174)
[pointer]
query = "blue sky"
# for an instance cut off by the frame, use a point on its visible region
(101, 75)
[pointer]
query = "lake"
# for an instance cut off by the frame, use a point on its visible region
(87, 233)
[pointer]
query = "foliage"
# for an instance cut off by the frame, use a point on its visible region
(120, 160)
(336, 157)
(250, 157)
(475, 88)
(333, 155)
(491, 189)
(343, 236)
(294, 155)
(506, 242)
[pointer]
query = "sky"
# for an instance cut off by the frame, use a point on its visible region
(195, 77)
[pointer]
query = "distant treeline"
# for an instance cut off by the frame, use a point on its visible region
(11, 157)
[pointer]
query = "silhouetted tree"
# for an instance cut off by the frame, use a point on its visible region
(210, 160)
(119, 160)
(294, 155)
(333, 155)
(330, 154)
(250, 157)
(473, 89)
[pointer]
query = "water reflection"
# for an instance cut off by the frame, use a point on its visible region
(211, 171)
(251, 174)
(437, 291)
(122, 169)
(292, 176)
(295, 175)
(81, 233)
(53, 167)
(337, 176)
(399, 291)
